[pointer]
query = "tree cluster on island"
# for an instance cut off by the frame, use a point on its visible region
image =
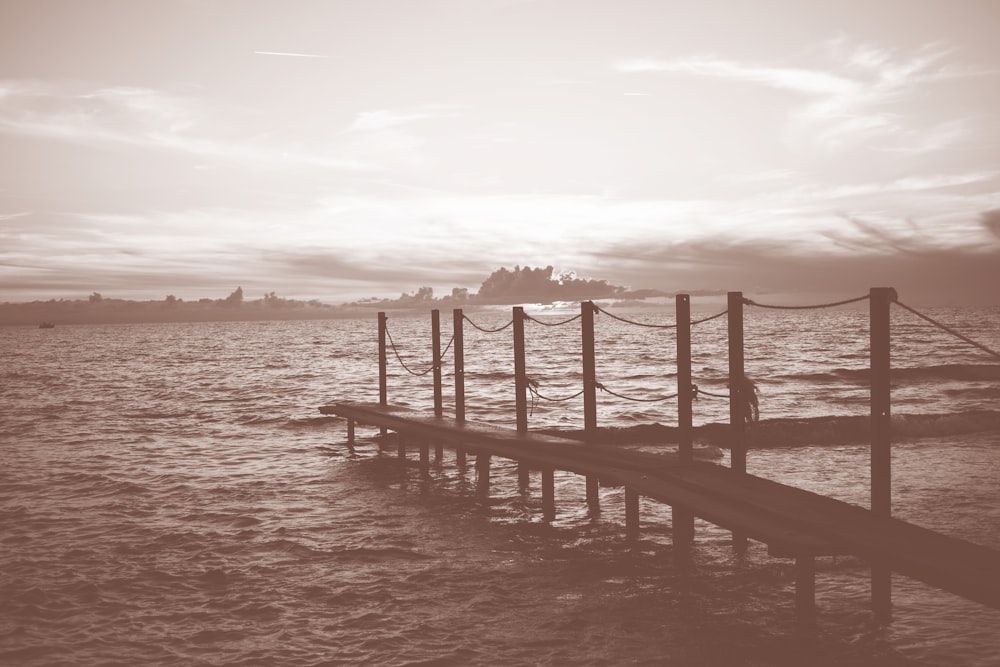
(503, 287)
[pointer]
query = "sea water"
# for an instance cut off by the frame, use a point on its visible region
(170, 495)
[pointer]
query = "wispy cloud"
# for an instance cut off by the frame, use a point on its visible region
(853, 97)
(381, 119)
(289, 54)
(147, 118)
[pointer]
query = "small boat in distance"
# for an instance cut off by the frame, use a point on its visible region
(46, 325)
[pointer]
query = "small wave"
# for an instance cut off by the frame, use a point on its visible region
(959, 372)
(304, 423)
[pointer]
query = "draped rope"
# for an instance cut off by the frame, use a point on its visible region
(552, 324)
(484, 329)
(633, 398)
(710, 318)
(533, 390)
(948, 329)
(409, 370)
(751, 302)
(638, 324)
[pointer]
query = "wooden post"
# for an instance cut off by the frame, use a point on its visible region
(436, 361)
(521, 391)
(587, 310)
(548, 494)
(401, 448)
(436, 372)
(350, 432)
(737, 403)
(805, 587)
(589, 370)
(880, 299)
(631, 515)
(483, 476)
(425, 456)
(458, 319)
(520, 372)
(383, 367)
(684, 411)
(683, 520)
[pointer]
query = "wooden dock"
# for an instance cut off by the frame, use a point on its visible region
(792, 522)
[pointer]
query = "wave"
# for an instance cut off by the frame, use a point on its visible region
(964, 372)
(833, 430)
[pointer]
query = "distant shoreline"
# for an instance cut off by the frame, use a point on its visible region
(120, 311)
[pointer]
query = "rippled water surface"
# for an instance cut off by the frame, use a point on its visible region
(169, 494)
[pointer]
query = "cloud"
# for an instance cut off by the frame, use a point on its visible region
(799, 80)
(853, 97)
(288, 54)
(149, 119)
(381, 119)
(928, 274)
(991, 221)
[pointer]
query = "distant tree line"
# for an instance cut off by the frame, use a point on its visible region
(520, 285)
(503, 286)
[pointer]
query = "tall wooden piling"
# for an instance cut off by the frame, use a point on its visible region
(383, 366)
(548, 494)
(458, 320)
(805, 587)
(587, 310)
(737, 398)
(520, 372)
(436, 361)
(425, 459)
(520, 390)
(483, 477)
(436, 372)
(684, 386)
(682, 519)
(589, 369)
(880, 299)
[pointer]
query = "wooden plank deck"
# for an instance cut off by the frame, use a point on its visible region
(791, 521)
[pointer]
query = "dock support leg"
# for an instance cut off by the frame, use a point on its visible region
(425, 455)
(401, 448)
(548, 494)
(438, 452)
(881, 594)
(483, 477)
(523, 476)
(460, 457)
(631, 515)
(350, 432)
(593, 494)
(805, 587)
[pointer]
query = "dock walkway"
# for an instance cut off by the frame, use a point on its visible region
(792, 522)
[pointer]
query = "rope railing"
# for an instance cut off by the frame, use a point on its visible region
(751, 302)
(628, 321)
(948, 329)
(533, 390)
(486, 329)
(395, 351)
(634, 398)
(696, 392)
(552, 324)
(710, 318)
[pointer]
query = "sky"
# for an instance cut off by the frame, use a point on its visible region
(339, 150)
